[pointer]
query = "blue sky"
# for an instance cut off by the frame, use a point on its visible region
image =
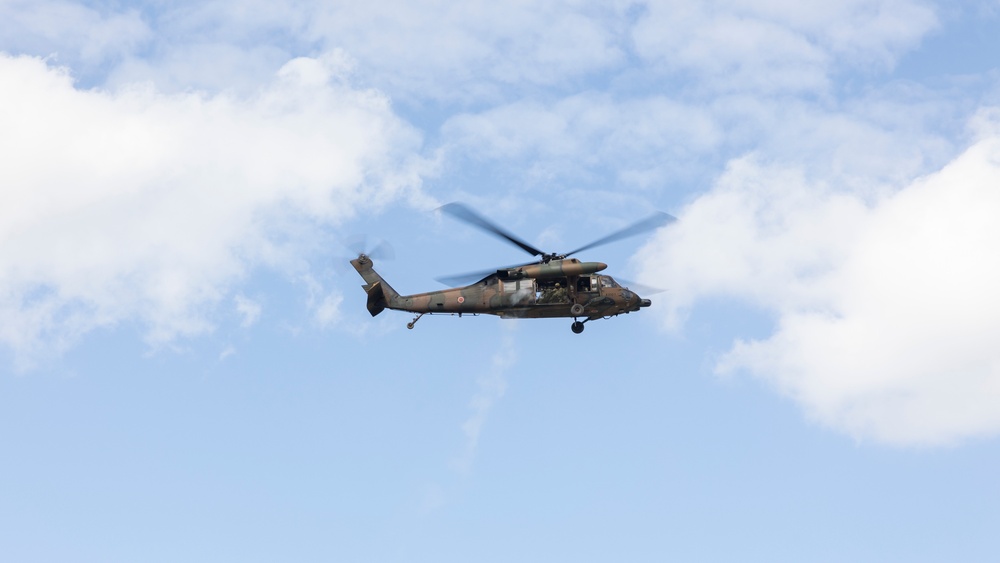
(188, 371)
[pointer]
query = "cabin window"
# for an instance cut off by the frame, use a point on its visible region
(554, 290)
(607, 281)
(510, 286)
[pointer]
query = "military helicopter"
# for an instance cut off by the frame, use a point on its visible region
(553, 286)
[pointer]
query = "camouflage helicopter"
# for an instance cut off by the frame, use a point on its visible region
(553, 286)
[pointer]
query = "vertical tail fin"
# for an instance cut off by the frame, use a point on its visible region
(376, 298)
(380, 293)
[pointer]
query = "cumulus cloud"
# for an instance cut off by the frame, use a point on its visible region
(136, 205)
(885, 303)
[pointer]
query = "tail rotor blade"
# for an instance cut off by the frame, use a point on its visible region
(382, 251)
(358, 245)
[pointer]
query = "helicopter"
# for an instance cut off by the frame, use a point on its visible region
(555, 285)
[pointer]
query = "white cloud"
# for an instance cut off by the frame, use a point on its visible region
(887, 313)
(777, 45)
(328, 311)
(205, 66)
(660, 142)
(426, 50)
(132, 204)
(707, 65)
(227, 352)
(69, 31)
(248, 309)
(491, 388)
(471, 51)
(645, 138)
(477, 52)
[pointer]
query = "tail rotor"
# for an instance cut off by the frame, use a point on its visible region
(356, 246)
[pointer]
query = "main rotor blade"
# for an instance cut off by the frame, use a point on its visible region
(639, 288)
(470, 277)
(463, 213)
(464, 279)
(654, 221)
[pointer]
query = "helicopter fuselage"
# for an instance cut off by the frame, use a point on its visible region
(559, 288)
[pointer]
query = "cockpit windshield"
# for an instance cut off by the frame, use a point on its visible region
(607, 281)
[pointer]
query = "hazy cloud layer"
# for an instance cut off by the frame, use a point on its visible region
(778, 45)
(885, 303)
(70, 32)
(480, 53)
(711, 80)
(131, 204)
(474, 51)
(490, 389)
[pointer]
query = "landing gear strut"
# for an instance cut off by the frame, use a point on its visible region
(576, 327)
(410, 324)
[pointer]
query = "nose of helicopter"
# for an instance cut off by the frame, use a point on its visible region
(637, 302)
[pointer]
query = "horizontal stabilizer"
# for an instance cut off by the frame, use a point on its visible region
(376, 298)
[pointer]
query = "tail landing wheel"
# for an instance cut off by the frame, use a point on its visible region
(410, 324)
(576, 327)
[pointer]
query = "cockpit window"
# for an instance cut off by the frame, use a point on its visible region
(607, 281)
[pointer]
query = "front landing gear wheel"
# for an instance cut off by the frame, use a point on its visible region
(576, 327)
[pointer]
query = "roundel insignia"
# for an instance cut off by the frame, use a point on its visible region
(461, 299)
